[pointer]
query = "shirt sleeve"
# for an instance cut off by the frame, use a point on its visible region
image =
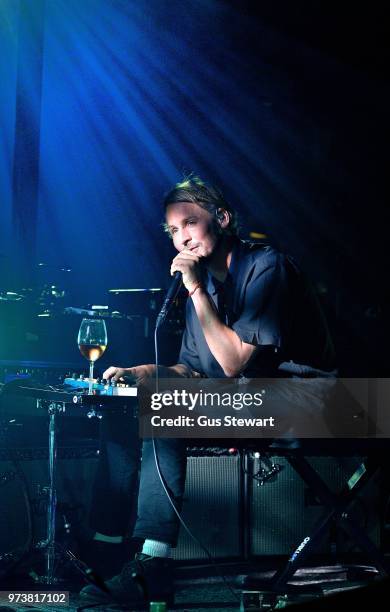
(263, 318)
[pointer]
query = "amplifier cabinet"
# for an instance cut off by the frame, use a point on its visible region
(283, 509)
(211, 508)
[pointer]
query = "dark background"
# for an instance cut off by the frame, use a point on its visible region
(106, 103)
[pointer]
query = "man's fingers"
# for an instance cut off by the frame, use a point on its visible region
(119, 374)
(177, 266)
(107, 374)
(113, 373)
(183, 262)
(125, 375)
(187, 255)
(128, 375)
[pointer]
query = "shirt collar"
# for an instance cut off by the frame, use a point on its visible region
(213, 285)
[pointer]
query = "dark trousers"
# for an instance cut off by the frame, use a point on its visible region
(122, 473)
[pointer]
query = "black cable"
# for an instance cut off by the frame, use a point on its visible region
(170, 499)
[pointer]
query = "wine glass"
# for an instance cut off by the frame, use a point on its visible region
(92, 341)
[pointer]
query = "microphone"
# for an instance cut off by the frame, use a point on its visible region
(169, 298)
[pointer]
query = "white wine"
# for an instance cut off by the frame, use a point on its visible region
(92, 352)
(92, 341)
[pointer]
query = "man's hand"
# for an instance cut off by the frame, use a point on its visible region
(137, 374)
(187, 263)
(142, 373)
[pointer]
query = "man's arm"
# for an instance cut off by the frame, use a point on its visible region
(228, 349)
(142, 373)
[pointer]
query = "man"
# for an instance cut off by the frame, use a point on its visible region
(249, 313)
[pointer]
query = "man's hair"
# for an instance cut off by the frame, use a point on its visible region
(209, 197)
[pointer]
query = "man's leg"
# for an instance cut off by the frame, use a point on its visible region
(114, 495)
(150, 575)
(116, 479)
(156, 518)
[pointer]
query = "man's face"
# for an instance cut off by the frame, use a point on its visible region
(192, 227)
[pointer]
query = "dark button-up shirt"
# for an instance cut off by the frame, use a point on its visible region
(267, 302)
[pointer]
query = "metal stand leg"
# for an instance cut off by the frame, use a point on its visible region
(51, 509)
(50, 543)
(52, 550)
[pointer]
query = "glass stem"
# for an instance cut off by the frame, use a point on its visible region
(90, 378)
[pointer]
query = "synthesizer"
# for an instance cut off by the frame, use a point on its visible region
(104, 388)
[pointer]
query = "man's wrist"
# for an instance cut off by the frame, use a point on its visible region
(194, 288)
(181, 370)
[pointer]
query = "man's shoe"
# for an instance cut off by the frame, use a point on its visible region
(143, 580)
(106, 559)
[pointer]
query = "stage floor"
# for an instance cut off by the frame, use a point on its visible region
(198, 589)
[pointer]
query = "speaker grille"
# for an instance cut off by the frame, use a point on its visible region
(284, 509)
(211, 508)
